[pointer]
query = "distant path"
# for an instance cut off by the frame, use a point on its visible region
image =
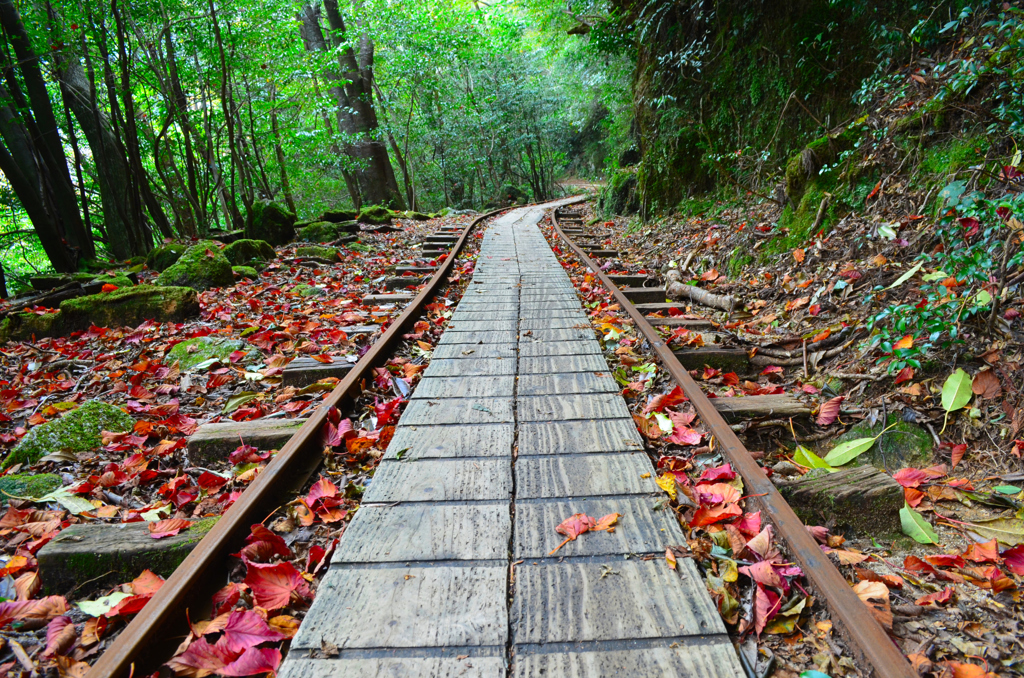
(515, 426)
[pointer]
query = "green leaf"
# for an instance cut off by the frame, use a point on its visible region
(1009, 531)
(1006, 489)
(805, 457)
(956, 393)
(72, 502)
(101, 606)
(664, 423)
(887, 231)
(239, 399)
(915, 526)
(906, 276)
(848, 451)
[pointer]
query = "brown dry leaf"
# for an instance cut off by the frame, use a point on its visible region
(879, 260)
(986, 385)
(69, 668)
(876, 596)
(849, 557)
(799, 255)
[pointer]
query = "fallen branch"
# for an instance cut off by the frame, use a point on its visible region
(675, 289)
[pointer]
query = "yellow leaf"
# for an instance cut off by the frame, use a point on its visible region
(905, 342)
(670, 558)
(667, 482)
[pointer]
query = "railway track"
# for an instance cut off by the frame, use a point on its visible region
(151, 637)
(864, 636)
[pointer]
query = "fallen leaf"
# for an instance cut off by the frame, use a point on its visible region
(915, 526)
(986, 385)
(943, 596)
(275, 585)
(876, 596)
(572, 527)
(829, 411)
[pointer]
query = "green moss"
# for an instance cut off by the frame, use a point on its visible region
(737, 261)
(192, 352)
(944, 159)
(76, 431)
(416, 216)
(245, 272)
(271, 222)
(163, 257)
(112, 278)
(375, 214)
(246, 252)
(339, 216)
(28, 485)
(201, 267)
(305, 290)
(25, 326)
(317, 252)
(620, 196)
(129, 306)
(319, 231)
(901, 446)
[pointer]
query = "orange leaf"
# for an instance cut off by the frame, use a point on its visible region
(905, 342)
(876, 596)
(107, 287)
(168, 527)
(607, 522)
(799, 255)
(670, 558)
(822, 336)
(323, 358)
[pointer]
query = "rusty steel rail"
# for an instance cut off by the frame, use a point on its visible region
(150, 638)
(871, 645)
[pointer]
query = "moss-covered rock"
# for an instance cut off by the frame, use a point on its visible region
(245, 252)
(201, 267)
(198, 350)
(319, 231)
(76, 431)
(375, 214)
(304, 290)
(317, 252)
(116, 278)
(245, 272)
(28, 485)
(901, 446)
(416, 216)
(806, 165)
(163, 257)
(271, 222)
(339, 216)
(620, 197)
(25, 326)
(130, 306)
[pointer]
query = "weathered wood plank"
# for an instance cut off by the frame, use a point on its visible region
(216, 441)
(540, 349)
(584, 475)
(640, 529)
(489, 325)
(708, 657)
(440, 442)
(566, 383)
(440, 480)
(578, 322)
(470, 367)
(578, 437)
(469, 666)
(568, 408)
(407, 607)
(862, 499)
(645, 295)
(495, 337)
(425, 532)
(748, 407)
(563, 334)
(384, 299)
(462, 351)
(304, 371)
(725, 359)
(500, 386)
(565, 363)
(631, 599)
(435, 411)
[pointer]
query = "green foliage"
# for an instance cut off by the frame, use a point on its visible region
(201, 267)
(28, 485)
(76, 431)
(193, 352)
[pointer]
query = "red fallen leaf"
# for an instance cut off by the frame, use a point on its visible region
(247, 454)
(906, 374)
(957, 453)
(201, 658)
(385, 411)
(211, 482)
(766, 605)
(1013, 558)
(128, 606)
(684, 435)
(44, 608)
(982, 553)
(236, 356)
(945, 560)
(772, 369)
(913, 496)
(648, 427)
(708, 516)
(874, 191)
(572, 527)
(660, 402)
(252, 662)
(107, 287)
(815, 309)
(323, 358)
(727, 494)
(915, 564)
(710, 373)
(763, 573)
(990, 577)
(730, 379)
(963, 670)
(147, 583)
(829, 411)
(168, 527)
(970, 225)
(910, 477)
(749, 523)
(723, 472)
(893, 581)
(943, 596)
(709, 275)
(225, 599)
(245, 629)
(274, 586)
(60, 636)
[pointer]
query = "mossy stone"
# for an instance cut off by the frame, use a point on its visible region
(245, 252)
(620, 197)
(198, 350)
(201, 267)
(116, 278)
(903, 445)
(130, 306)
(25, 326)
(339, 216)
(28, 485)
(245, 272)
(317, 252)
(375, 214)
(271, 222)
(416, 216)
(319, 231)
(163, 257)
(76, 431)
(304, 290)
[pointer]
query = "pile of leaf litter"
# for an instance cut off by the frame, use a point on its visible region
(761, 595)
(150, 398)
(952, 613)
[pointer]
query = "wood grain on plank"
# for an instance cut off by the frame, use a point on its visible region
(566, 383)
(457, 411)
(440, 480)
(500, 386)
(439, 442)
(587, 475)
(571, 407)
(563, 363)
(715, 658)
(394, 667)
(578, 437)
(470, 367)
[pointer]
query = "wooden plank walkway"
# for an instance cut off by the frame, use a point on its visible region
(515, 426)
